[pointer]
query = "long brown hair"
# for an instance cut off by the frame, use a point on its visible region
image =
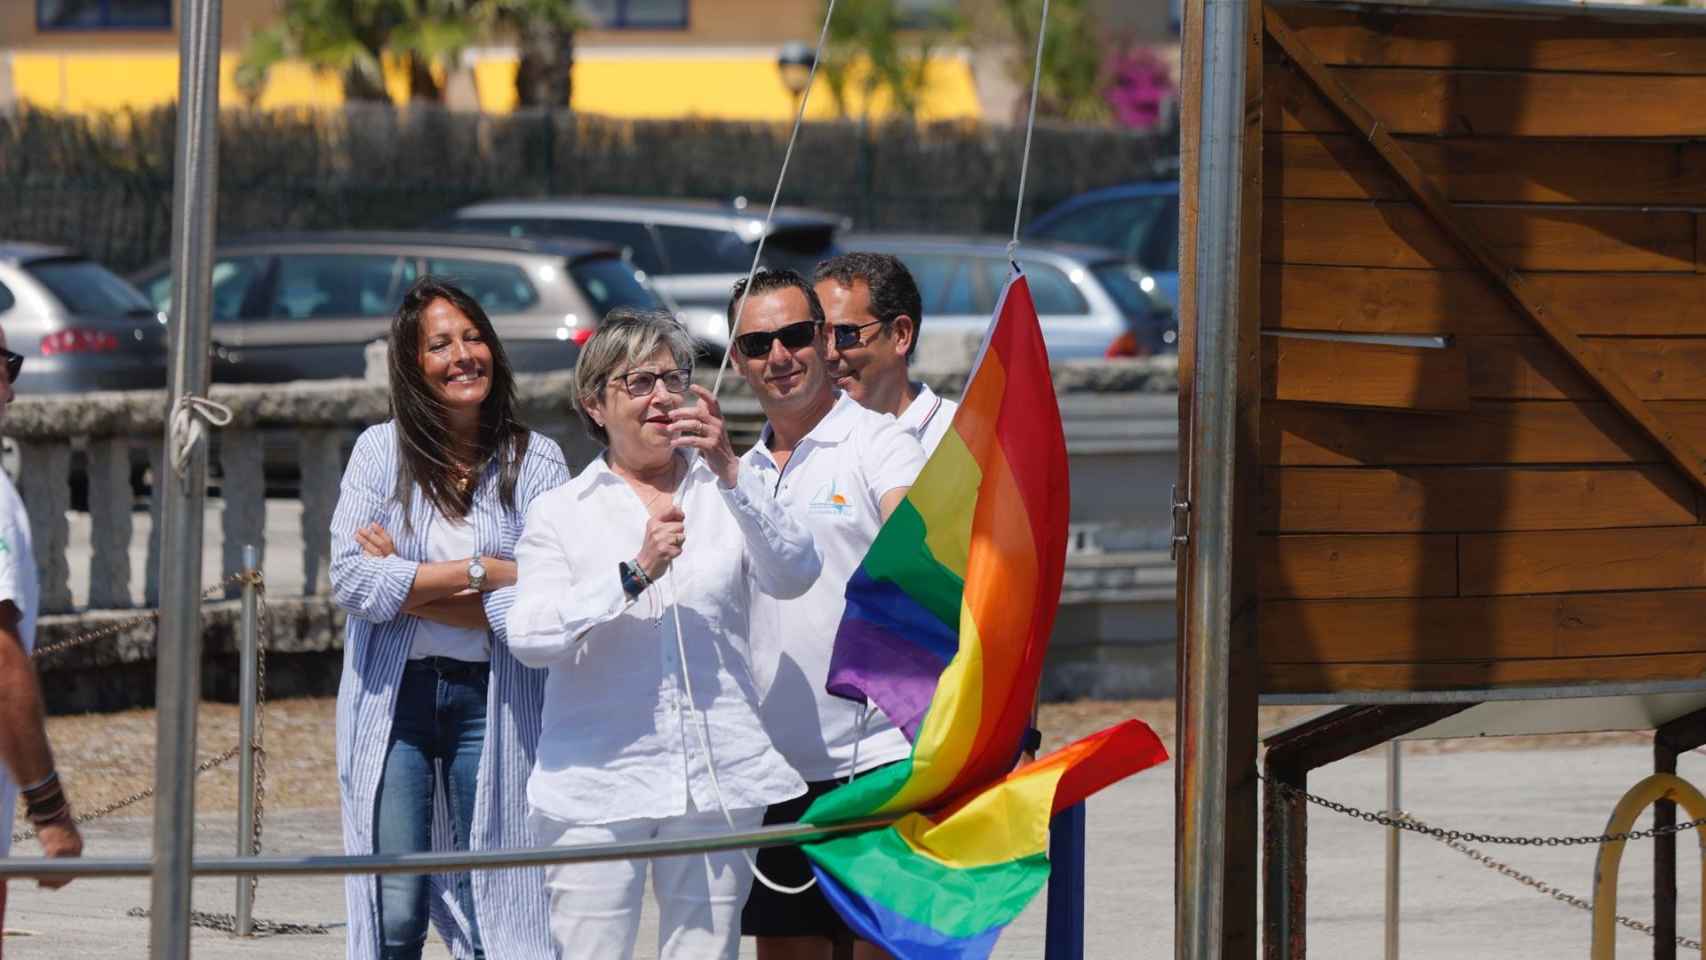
(423, 421)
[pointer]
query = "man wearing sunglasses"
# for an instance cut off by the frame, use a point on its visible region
(25, 758)
(841, 469)
(874, 313)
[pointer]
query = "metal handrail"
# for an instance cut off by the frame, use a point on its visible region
(330, 864)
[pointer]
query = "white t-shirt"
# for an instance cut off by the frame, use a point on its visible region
(834, 482)
(928, 418)
(17, 584)
(449, 539)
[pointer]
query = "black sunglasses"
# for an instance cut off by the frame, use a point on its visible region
(850, 335)
(14, 364)
(756, 345)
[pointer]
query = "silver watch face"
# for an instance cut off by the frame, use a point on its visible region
(476, 570)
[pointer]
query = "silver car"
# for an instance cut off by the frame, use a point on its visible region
(694, 250)
(1091, 302)
(78, 325)
(303, 306)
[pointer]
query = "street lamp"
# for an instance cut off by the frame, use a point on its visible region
(794, 64)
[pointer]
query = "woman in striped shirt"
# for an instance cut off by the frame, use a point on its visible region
(437, 721)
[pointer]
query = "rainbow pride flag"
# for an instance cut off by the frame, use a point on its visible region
(949, 615)
(947, 622)
(945, 886)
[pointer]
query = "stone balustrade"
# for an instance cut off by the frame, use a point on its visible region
(1121, 437)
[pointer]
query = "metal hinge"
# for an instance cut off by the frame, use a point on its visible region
(1181, 524)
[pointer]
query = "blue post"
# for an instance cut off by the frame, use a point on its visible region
(1065, 939)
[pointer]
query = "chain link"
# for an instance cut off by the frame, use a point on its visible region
(134, 798)
(1455, 839)
(227, 923)
(123, 626)
(1439, 833)
(263, 640)
(1557, 894)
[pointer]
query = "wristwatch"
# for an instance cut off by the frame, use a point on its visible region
(634, 579)
(476, 573)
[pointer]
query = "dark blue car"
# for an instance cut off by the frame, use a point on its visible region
(1140, 220)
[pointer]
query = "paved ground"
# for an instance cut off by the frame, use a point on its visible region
(1452, 906)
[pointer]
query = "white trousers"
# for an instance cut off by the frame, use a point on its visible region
(595, 907)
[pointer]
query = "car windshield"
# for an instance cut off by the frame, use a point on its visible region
(1122, 281)
(87, 288)
(1144, 228)
(611, 282)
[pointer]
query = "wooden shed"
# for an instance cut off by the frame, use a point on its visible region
(1455, 356)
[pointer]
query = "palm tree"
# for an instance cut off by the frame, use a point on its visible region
(353, 38)
(892, 49)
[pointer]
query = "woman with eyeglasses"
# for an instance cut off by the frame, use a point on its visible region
(435, 713)
(651, 729)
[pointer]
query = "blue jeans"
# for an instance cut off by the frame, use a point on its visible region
(440, 726)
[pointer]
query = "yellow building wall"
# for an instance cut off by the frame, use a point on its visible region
(651, 85)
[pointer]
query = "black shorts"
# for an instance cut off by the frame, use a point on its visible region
(771, 914)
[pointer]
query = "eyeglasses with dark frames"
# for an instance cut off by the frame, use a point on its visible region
(641, 383)
(756, 345)
(850, 335)
(14, 364)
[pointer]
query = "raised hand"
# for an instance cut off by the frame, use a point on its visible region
(700, 427)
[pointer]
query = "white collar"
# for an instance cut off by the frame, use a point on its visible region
(833, 428)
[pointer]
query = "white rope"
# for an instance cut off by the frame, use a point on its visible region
(704, 727)
(799, 118)
(1030, 124)
(185, 431)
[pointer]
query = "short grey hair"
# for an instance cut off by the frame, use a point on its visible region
(626, 337)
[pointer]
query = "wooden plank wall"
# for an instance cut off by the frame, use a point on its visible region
(1477, 514)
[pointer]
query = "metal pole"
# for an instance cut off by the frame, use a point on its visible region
(1394, 773)
(456, 861)
(248, 694)
(178, 687)
(1219, 188)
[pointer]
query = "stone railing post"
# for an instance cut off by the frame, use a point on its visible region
(322, 470)
(110, 501)
(243, 489)
(44, 483)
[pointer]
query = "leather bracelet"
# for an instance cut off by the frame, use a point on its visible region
(44, 804)
(50, 817)
(40, 786)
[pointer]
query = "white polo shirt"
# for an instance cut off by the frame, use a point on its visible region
(928, 418)
(17, 584)
(834, 481)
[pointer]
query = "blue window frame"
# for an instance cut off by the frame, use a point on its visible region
(103, 14)
(635, 14)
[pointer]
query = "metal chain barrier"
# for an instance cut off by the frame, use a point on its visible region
(263, 640)
(227, 923)
(1441, 834)
(122, 626)
(1559, 895)
(1455, 839)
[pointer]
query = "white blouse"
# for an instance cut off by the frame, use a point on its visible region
(618, 741)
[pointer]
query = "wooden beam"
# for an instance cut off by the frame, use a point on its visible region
(1300, 678)
(1339, 567)
(1365, 374)
(1465, 40)
(1429, 196)
(1571, 561)
(1471, 499)
(1569, 432)
(1382, 300)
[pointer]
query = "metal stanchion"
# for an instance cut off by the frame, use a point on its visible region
(1394, 770)
(249, 654)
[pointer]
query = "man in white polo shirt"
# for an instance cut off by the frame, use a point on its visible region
(874, 313)
(25, 758)
(842, 469)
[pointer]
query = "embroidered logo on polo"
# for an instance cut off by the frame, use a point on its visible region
(826, 502)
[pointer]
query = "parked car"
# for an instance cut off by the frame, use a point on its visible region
(79, 326)
(694, 250)
(1091, 302)
(303, 306)
(1141, 220)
